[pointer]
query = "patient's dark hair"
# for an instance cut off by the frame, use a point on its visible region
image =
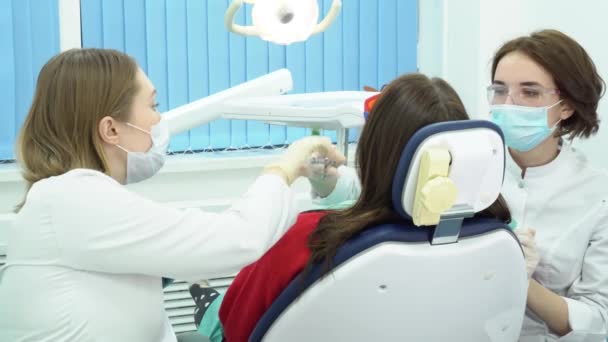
(406, 105)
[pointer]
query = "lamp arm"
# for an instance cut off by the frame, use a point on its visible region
(329, 18)
(235, 5)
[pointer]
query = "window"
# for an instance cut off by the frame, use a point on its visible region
(186, 51)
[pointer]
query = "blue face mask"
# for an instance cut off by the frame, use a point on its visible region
(524, 127)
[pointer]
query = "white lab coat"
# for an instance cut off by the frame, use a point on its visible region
(565, 201)
(86, 256)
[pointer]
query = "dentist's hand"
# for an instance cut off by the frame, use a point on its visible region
(295, 162)
(528, 244)
(322, 173)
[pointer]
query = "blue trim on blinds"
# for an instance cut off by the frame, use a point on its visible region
(29, 36)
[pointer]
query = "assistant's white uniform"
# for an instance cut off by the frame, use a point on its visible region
(566, 202)
(86, 256)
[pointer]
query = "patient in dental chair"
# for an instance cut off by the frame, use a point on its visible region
(403, 107)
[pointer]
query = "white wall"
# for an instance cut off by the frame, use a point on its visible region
(474, 29)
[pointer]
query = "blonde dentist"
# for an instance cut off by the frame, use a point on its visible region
(86, 255)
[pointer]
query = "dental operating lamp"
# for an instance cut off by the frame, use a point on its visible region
(282, 21)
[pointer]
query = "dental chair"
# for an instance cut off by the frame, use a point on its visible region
(443, 274)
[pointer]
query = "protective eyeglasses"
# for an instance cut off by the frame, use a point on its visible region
(533, 95)
(368, 105)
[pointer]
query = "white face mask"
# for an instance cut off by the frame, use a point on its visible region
(143, 165)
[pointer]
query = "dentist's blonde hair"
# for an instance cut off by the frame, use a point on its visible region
(75, 90)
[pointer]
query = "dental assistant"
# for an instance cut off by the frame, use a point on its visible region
(85, 254)
(545, 93)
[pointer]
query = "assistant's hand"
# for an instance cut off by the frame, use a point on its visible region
(528, 243)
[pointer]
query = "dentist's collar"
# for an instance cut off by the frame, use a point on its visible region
(565, 151)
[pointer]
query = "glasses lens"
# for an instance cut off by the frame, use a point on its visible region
(531, 96)
(497, 94)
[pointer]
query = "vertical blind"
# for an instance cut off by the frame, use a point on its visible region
(187, 53)
(185, 49)
(29, 36)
